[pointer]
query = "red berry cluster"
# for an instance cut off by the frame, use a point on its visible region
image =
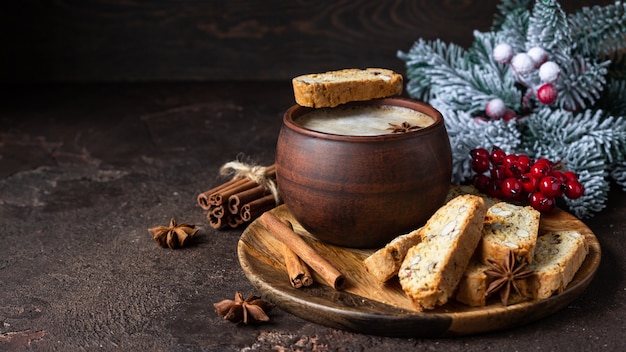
(517, 177)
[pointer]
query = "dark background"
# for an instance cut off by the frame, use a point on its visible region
(174, 40)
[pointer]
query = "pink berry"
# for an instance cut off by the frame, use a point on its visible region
(538, 54)
(522, 63)
(549, 72)
(495, 108)
(574, 189)
(541, 202)
(503, 53)
(547, 94)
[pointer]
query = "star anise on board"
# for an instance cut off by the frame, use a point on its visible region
(251, 309)
(403, 128)
(174, 236)
(506, 274)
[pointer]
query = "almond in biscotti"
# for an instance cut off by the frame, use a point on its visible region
(433, 268)
(509, 227)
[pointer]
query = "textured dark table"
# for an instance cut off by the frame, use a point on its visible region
(86, 169)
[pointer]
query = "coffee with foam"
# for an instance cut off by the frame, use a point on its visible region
(362, 120)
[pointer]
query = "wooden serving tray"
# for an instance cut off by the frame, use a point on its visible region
(369, 307)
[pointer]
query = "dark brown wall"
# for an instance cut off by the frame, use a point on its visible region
(173, 40)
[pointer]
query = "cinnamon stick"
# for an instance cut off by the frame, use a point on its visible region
(234, 220)
(214, 221)
(241, 198)
(257, 207)
(240, 185)
(203, 198)
(292, 240)
(297, 270)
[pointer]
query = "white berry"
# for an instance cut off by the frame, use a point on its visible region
(538, 55)
(549, 72)
(495, 108)
(503, 53)
(522, 63)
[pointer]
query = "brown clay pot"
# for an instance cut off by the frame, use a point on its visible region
(363, 191)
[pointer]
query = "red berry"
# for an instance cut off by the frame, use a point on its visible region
(550, 186)
(497, 155)
(523, 162)
(574, 189)
(529, 183)
(541, 202)
(480, 165)
(481, 182)
(479, 153)
(511, 188)
(509, 115)
(559, 176)
(547, 94)
(543, 161)
(540, 169)
(495, 188)
(570, 176)
(498, 172)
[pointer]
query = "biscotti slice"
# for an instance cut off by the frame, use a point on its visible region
(333, 88)
(385, 262)
(509, 227)
(472, 289)
(457, 190)
(558, 256)
(432, 269)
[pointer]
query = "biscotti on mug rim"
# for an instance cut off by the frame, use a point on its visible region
(333, 88)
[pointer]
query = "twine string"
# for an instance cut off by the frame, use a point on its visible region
(256, 173)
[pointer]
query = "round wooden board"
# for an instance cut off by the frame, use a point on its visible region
(369, 307)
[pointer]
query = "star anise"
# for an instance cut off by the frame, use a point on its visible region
(506, 274)
(403, 128)
(251, 309)
(173, 236)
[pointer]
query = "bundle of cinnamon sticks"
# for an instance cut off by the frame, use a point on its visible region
(237, 201)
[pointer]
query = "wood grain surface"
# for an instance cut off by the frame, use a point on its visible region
(367, 306)
(116, 40)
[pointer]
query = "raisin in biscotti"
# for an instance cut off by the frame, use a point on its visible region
(558, 256)
(432, 269)
(385, 262)
(333, 88)
(509, 227)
